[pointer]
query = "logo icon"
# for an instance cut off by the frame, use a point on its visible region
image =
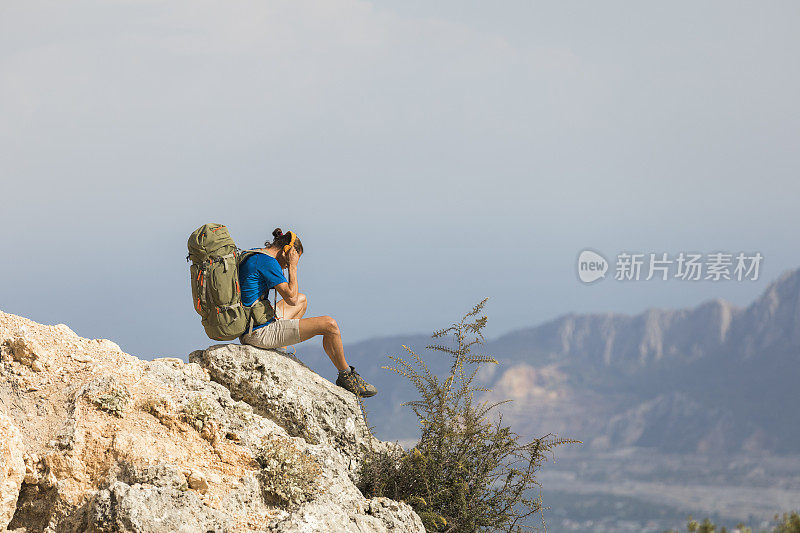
(591, 266)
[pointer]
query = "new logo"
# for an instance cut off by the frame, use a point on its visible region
(591, 266)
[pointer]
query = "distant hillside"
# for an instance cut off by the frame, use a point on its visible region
(713, 377)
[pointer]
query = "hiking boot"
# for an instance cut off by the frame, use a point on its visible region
(354, 383)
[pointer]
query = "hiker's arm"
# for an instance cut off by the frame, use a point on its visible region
(289, 291)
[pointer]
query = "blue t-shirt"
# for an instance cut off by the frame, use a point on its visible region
(257, 275)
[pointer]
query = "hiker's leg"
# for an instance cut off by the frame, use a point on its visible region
(293, 311)
(348, 378)
(331, 338)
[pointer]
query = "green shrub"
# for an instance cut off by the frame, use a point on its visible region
(789, 523)
(288, 476)
(705, 527)
(114, 401)
(198, 412)
(468, 472)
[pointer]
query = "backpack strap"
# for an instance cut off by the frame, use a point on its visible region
(245, 254)
(251, 319)
(224, 259)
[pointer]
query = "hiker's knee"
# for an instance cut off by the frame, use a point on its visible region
(330, 325)
(302, 300)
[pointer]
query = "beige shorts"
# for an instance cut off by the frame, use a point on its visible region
(281, 332)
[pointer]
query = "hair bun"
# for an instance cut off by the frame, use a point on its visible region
(277, 233)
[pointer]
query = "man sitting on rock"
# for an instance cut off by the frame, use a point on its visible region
(261, 272)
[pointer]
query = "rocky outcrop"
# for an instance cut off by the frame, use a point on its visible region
(283, 389)
(239, 439)
(12, 469)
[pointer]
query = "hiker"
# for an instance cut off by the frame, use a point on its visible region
(260, 272)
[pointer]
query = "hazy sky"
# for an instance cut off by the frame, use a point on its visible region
(427, 153)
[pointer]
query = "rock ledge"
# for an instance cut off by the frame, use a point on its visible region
(93, 439)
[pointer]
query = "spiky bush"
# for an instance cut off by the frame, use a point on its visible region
(788, 523)
(198, 411)
(288, 476)
(114, 401)
(468, 472)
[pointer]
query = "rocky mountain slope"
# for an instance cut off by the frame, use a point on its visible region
(715, 377)
(239, 439)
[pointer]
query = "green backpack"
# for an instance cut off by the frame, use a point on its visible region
(214, 276)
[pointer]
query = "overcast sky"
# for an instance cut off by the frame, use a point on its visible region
(427, 153)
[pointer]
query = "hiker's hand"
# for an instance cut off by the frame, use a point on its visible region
(292, 257)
